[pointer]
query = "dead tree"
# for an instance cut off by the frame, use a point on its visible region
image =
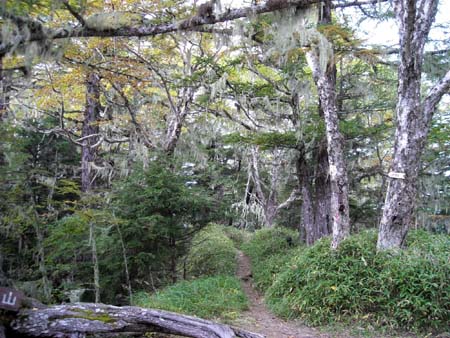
(82, 319)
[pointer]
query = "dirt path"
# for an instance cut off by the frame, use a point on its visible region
(259, 319)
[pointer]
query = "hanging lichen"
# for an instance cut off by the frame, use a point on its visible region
(114, 20)
(293, 28)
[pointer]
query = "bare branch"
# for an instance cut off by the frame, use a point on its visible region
(74, 13)
(294, 196)
(434, 96)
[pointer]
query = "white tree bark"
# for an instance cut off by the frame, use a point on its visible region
(83, 319)
(268, 198)
(413, 120)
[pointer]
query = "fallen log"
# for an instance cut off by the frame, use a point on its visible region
(82, 319)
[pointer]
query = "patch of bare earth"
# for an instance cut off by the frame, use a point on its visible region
(259, 319)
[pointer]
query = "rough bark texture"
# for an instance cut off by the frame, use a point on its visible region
(307, 214)
(322, 192)
(413, 119)
(315, 193)
(4, 103)
(325, 80)
(180, 111)
(90, 130)
(82, 319)
(4, 89)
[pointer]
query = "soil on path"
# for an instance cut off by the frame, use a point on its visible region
(259, 319)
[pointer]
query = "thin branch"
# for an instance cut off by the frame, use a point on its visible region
(74, 13)
(294, 196)
(434, 96)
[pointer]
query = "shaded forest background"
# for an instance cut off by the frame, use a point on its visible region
(115, 152)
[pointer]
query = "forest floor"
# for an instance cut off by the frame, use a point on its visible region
(259, 319)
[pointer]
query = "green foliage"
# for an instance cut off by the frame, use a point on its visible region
(265, 140)
(269, 251)
(159, 215)
(211, 297)
(238, 236)
(211, 253)
(409, 289)
(67, 241)
(69, 252)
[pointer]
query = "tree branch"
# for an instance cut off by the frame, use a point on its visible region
(434, 96)
(153, 30)
(294, 196)
(74, 13)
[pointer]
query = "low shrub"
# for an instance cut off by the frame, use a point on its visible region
(268, 251)
(408, 290)
(211, 297)
(238, 236)
(212, 253)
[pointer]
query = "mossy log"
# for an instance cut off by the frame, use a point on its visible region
(83, 319)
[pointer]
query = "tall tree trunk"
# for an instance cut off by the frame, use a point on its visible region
(413, 121)
(325, 80)
(322, 192)
(46, 286)
(4, 102)
(307, 214)
(93, 243)
(90, 130)
(4, 90)
(125, 263)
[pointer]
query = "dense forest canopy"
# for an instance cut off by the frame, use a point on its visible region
(127, 126)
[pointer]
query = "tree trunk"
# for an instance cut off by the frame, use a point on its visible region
(322, 192)
(269, 203)
(90, 130)
(4, 103)
(4, 92)
(125, 263)
(93, 243)
(173, 259)
(325, 80)
(413, 118)
(83, 319)
(307, 215)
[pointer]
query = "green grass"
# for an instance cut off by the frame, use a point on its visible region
(409, 290)
(211, 297)
(270, 253)
(238, 236)
(212, 253)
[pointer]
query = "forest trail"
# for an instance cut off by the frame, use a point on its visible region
(259, 319)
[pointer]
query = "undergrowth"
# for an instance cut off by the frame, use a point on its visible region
(238, 236)
(211, 297)
(212, 253)
(408, 290)
(270, 251)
